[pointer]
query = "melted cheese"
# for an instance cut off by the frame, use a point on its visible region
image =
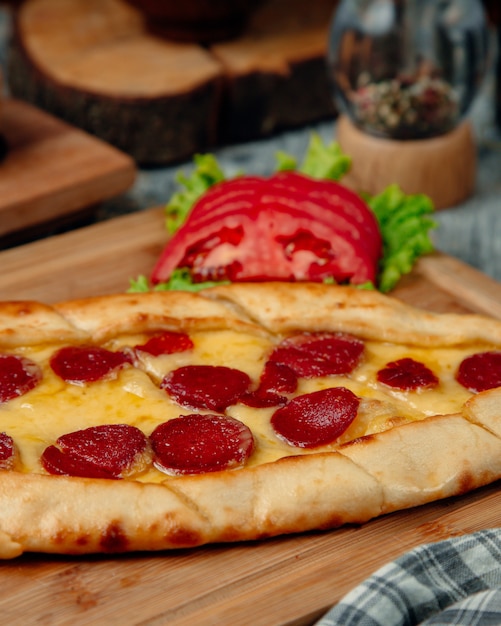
(54, 407)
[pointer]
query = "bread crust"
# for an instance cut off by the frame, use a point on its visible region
(405, 466)
(266, 308)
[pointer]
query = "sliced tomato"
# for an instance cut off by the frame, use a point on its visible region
(252, 228)
(267, 243)
(331, 202)
(240, 192)
(279, 244)
(296, 207)
(298, 201)
(336, 198)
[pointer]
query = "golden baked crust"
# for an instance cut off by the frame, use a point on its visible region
(404, 466)
(26, 323)
(277, 308)
(104, 317)
(72, 516)
(283, 308)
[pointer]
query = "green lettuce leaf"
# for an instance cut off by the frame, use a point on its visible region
(207, 172)
(323, 161)
(404, 229)
(180, 280)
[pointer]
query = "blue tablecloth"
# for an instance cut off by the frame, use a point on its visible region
(455, 583)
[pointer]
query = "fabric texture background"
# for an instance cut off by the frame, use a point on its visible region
(452, 582)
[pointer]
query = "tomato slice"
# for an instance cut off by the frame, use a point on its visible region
(335, 198)
(300, 204)
(238, 193)
(252, 228)
(267, 243)
(322, 200)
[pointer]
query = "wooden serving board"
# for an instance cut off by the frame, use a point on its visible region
(52, 172)
(285, 581)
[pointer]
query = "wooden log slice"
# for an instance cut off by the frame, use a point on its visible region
(94, 64)
(276, 75)
(97, 65)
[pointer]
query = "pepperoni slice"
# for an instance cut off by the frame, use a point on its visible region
(319, 354)
(480, 371)
(278, 378)
(275, 380)
(18, 375)
(8, 452)
(196, 444)
(87, 364)
(106, 451)
(213, 387)
(167, 343)
(407, 374)
(316, 419)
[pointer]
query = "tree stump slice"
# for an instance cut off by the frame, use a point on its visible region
(97, 65)
(276, 74)
(94, 64)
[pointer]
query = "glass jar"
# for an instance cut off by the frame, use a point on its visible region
(407, 69)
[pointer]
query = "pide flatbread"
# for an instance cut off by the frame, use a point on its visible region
(171, 419)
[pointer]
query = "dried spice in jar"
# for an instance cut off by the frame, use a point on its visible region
(405, 107)
(407, 69)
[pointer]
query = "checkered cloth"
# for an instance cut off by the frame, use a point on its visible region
(455, 583)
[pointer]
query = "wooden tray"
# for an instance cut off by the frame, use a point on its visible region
(52, 172)
(286, 581)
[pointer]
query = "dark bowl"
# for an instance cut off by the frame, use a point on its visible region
(202, 21)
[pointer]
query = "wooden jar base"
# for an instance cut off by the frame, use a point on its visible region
(443, 168)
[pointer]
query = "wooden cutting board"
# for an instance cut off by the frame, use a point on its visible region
(52, 173)
(285, 581)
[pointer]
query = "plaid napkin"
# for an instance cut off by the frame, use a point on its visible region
(456, 582)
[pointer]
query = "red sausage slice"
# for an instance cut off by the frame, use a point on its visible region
(320, 354)
(197, 444)
(275, 380)
(278, 378)
(407, 374)
(317, 418)
(8, 452)
(480, 371)
(167, 343)
(54, 461)
(18, 375)
(213, 387)
(87, 364)
(106, 451)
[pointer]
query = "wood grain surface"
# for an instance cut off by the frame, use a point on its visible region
(52, 171)
(285, 581)
(100, 66)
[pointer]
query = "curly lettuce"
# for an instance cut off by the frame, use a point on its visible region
(405, 224)
(180, 280)
(207, 172)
